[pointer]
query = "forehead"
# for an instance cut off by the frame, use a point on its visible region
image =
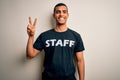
(61, 8)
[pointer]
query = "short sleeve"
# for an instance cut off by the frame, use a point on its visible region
(79, 44)
(38, 44)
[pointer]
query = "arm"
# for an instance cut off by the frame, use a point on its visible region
(30, 51)
(80, 65)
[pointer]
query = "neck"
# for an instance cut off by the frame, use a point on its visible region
(61, 28)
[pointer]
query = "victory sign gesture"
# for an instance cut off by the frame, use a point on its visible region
(31, 27)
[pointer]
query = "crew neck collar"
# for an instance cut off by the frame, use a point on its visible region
(62, 31)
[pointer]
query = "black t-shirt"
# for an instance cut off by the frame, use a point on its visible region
(60, 48)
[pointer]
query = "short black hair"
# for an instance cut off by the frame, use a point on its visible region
(60, 4)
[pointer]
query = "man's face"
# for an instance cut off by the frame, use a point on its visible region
(61, 15)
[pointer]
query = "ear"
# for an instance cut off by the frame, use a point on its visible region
(68, 14)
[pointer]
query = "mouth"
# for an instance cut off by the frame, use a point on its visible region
(61, 19)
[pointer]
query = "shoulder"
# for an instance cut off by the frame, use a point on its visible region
(75, 33)
(45, 33)
(48, 32)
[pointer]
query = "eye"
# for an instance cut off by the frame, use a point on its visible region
(64, 11)
(57, 11)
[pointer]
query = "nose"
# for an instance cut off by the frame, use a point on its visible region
(61, 13)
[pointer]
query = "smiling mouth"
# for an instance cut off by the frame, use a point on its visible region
(61, 18)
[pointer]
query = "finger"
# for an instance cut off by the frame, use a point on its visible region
(30, 20)
(35, 21)
(28, 27)
(28, 30)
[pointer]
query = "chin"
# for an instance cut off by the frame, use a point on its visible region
(60, 23)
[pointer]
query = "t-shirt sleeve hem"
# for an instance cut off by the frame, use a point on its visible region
(79, 50)
(37, 48)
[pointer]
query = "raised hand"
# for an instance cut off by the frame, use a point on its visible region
(31, 27)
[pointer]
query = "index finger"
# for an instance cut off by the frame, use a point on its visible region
(30, 20)
(35, 21)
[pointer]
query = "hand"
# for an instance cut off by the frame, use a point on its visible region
(31, 27)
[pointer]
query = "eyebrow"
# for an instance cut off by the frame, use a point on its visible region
(61, 10)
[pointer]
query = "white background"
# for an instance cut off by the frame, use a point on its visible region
(98, 22)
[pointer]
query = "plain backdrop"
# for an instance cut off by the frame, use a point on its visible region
(98, 22)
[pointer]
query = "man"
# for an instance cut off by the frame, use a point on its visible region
(60, 44)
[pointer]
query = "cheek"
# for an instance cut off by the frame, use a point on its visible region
(67, 15)
(55, 16)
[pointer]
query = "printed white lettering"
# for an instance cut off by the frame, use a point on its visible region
(47, 42)
(59, 42)
(53, 41)
(71, 43)
(66, 42)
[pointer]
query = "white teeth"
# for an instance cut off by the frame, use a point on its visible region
(61, 18)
